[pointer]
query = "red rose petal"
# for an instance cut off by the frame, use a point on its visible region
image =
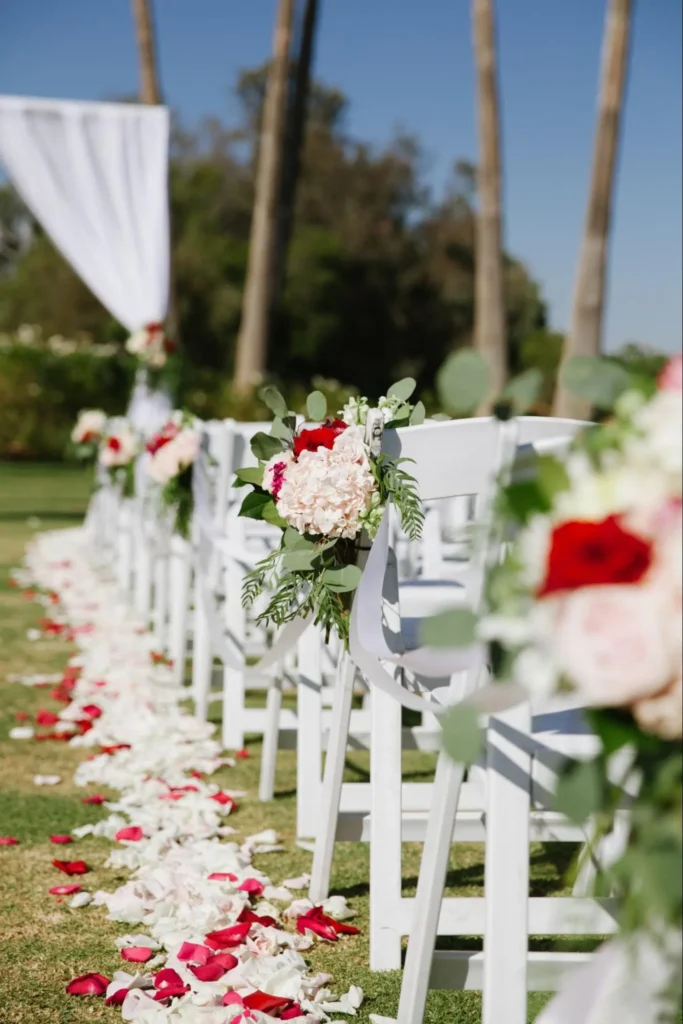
(222, 876)
(61, 840)
(224, 799)
(88, 985)
(21, 716)
(191, 952)
(209, 972)
(72, 867)
(116, 998)
(253, 887)
(137, 954)
(92, 710)
(228, 938)
(169, 984)
(64, 890)
(265, 1003)
(8, 841)
(46, 718)
(131, 834)
(242, 755)
(249, 917)
(95, 799)
(292, 1013)
(323, 926)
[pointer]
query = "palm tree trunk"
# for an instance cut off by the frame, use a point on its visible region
(585, 333)
(149, 80)
(490, 338)
(298, 110)
(252, 341)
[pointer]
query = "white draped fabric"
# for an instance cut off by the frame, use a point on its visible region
(95, 176)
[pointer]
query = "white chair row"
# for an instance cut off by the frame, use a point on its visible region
(503, 802)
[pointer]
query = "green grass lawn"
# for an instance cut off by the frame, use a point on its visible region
(44, 943)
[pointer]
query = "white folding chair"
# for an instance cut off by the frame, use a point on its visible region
(475, 445)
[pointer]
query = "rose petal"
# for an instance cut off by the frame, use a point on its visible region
(88, 985)
(46, 718)
(9, 841)
(61, 840)
(95, 799)
(253, 887)
(71, 867)
(117, 998)
(137, 954)
(65, 890)
(222, 876)
(194, 953)
(249, 917)
(227, 938)
(92, 710)
(265, 1003)
(132, 834)
(225, 800)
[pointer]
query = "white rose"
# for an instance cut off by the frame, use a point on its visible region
(663, 713)
(91, 423)
(164, 464)
(611, 642)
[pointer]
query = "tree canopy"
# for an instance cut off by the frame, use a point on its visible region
(379, 279)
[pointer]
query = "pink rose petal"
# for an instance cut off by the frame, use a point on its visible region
(64, 890)
(61, 840)
(222, 876)
(9, 841)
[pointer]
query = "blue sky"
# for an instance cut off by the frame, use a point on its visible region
(408, 64)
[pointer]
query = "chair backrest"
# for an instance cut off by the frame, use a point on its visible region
(456, 457)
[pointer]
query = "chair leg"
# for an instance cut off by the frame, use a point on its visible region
(508, 806)
(179, 585)
(234, 688)
(271, 737)
(425, 923)
(309, 740)
(332, 783)
(385, 833)
(201, 656)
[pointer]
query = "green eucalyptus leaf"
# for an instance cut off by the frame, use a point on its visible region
(453, 628)
(293, 539)
(316, 406)
(580, 790)
(463, 381)
(342, 580)
(264, 446)
(552, 475)
(281, 429)
(272, 516)
(249, 475)
(299, 561)
(596, 380)
(402, 389)
(441, 417)
(462, 735)
(274, 401)
(418, 414)
(254, 505)
(523, 391)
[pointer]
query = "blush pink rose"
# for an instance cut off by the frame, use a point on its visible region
(671, 377)
(663, 713)
(613, 643)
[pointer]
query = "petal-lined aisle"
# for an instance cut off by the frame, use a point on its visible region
(219, 942)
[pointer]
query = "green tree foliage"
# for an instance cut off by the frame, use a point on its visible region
(379, 279)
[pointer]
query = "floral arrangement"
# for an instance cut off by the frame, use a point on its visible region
(588, 600)
(324, 486)
(150, 345)
(88, 432)
(172, 453)
(116, 455)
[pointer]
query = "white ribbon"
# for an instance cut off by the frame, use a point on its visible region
(621, 984)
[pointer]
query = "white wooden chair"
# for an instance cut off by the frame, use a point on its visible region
(476, 453)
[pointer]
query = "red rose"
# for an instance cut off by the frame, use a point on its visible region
(166, 434)
(318, 437)
(588, 554)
